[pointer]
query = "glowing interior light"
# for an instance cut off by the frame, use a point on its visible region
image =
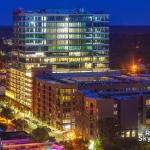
(134, 68)
(66, 19)
(39, 54)
(29, 74)
(91, 145)
(32, 23)
(67, 127)
(65, 29)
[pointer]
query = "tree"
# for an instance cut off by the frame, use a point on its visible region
(3, 126)
(109, 130)
(52, 139)
(68, 145)
(77, 144)
(40, 134)
(20, 124)
(127, 144)
(7, 113)
(98, 144)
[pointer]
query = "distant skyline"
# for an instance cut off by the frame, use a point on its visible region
(122, 12)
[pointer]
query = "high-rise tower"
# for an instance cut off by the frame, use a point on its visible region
(70, 41)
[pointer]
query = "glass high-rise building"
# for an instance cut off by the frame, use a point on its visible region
(69, 41)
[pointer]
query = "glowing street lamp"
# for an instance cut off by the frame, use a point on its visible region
(71, 135)
(134, 68)
(91, 145)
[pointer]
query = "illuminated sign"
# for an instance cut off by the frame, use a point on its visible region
(145, 137)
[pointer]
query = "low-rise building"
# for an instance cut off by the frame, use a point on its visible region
(21, 140)
(59, 99)
(130, 109)
(54, 95)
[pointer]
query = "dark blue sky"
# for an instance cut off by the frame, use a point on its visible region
(122, 12)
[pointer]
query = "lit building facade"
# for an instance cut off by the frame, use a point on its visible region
(69, 41)
(55, 102)
(129, 109)
(58, 99)
(19, 87)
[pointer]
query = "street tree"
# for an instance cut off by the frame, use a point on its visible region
(76, 144)
(7, 113)
(52, 139)
(98, 144)
(40, 134)
(109, 130)
(20, 124)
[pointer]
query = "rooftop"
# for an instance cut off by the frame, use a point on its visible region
(90, 94)
(81, 77)
(102, 78)
(119, 95)
(57, 11)
(14, 135)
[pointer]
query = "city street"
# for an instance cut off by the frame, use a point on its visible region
(33, 122)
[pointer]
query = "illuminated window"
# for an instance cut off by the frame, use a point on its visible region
(115, 105)
(133, 133)
(148, 102)
(67, 121)
(128, 134)
(67, 127)
(123, 134)
(66, 19)
(115, 112)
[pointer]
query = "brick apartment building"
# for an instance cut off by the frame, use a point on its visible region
(62, 100)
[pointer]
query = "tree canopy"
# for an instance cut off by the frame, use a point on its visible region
(98, 144)
(77, 144)
(40, 134)
(109, 129)
(20, 124)
(7, 113)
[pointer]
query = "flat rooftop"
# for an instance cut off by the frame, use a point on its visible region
(110, 77)
(119, 95)
(86, 74)
(80, 11)
(14, 135)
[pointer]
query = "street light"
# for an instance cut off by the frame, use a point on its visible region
(134, 68)
(71, 135)
(91, 145)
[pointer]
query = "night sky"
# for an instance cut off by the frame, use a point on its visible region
(122, 12)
